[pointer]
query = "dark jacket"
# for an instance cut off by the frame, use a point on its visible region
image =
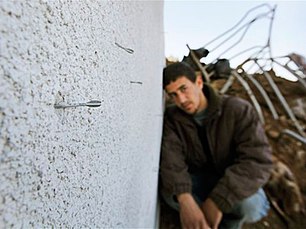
(239, 151)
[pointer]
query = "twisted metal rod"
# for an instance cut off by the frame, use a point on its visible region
(199, 65)
(246, 26)
(227, 84)
(294, 135)
(251, 95)
(282, 100)
(239, 22)
(264, 95)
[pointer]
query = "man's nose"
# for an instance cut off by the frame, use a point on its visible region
(181, 98)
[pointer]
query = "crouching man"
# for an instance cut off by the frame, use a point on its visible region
(215, 154)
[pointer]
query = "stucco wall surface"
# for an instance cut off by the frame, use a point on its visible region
(80, 166)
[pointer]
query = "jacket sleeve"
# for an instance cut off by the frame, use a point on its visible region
(253, 158)
(173, 168)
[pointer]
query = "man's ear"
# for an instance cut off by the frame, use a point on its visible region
(199, 81)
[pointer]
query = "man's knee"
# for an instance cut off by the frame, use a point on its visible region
(254, 207)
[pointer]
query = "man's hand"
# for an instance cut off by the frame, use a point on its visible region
(212, 213)
(191, 215)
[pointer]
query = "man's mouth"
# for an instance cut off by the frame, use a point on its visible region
(186, 106)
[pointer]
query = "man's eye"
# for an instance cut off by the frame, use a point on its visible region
(183, 89)
(171, 96)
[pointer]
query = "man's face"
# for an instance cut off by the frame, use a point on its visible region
(187, 95)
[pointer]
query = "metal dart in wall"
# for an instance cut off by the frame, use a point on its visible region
(92, 103)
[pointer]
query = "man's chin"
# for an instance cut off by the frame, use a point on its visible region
(189, 111)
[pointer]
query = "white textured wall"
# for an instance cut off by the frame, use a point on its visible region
(80, 167)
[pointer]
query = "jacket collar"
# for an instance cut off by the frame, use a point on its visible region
(214, 100)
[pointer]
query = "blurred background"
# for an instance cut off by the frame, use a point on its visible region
(246, 27)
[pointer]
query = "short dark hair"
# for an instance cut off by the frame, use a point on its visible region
(174, 71)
